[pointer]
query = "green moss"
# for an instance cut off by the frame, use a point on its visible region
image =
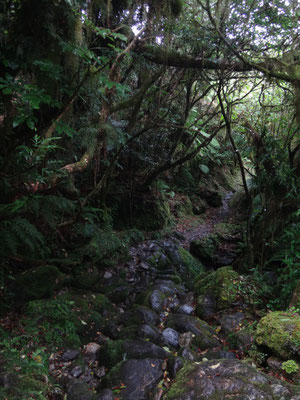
(112, 353)
(204, 249)
(105, 248)
(85, 277)
(26, 387)
(151, 214)
(53, 322)
(222, 284)
(193, 266)
(182, 378)
(38, 283)
(290, 367)
(226, 228)
(280, 332)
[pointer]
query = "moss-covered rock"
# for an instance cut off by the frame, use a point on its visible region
(115, 351)
(85, 276)
(25, 387)
(221, 284)
(53, 320)
(192, 266)
(199, 206)
(38, 283)
(136, 379)
(148, 212)
(181, 205)
(221, 379)
(204, 249)
(280, 332)
(105, 248)
(159, 260)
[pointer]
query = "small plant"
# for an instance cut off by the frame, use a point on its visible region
(290, 367)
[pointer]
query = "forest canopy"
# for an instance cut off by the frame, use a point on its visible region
(100, 99)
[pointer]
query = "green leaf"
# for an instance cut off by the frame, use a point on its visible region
(204, 168)
(30, 123)
(7, 90)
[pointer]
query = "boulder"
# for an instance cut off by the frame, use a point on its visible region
(136, 379)
(204, 249)
(222, 285)
(204, 334)
(232, 379)
(170, 337)
(85, 276)
(279, 331)
(115, 351)
(37, 283)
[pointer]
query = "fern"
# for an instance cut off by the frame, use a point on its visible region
(21, 236)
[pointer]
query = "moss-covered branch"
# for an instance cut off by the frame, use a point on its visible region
(171, 58)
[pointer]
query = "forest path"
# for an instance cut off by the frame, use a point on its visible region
(212, 221)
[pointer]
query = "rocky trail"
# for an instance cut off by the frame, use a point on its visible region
(174, 322)
(167, 335)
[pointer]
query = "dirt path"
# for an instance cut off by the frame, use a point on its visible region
(197, 227)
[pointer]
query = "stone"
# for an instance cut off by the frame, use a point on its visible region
(170, 337)
(185, 309)
(243, 339)
(232, 379)
(105, 394)
(173, 304)
(79, 391)
(230, 322)
(107, 275)
(149, 332)
(77, 371)
(167, 287)
(115, 351)
(37, 283)
(174, 365)
(192, 266)
(91, 351)
(206, 306)
(204, 249)
(187, 354)
(144, 265)
(280, 332)
(144, 314)
(217, 354)
(185, 339)
(139, 378)
(85, 276)
(204, 334)
(221, 284)
(70, 355)
(9, 379)
(157, 300)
